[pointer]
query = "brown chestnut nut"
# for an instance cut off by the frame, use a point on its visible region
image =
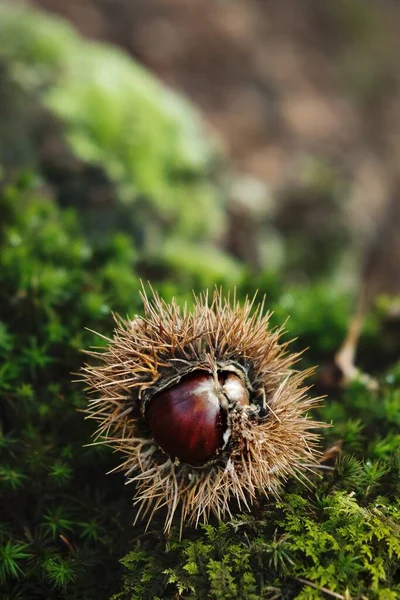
(189, 420)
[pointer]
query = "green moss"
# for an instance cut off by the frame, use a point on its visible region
(65, 524)
(114, 117)
(61, 532)
(341, 534)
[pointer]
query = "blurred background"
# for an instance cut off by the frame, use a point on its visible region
(230, 140)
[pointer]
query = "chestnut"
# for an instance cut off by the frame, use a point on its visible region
(189, 420)
(205, 406)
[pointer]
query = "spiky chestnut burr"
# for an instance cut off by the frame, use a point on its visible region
(204, 404)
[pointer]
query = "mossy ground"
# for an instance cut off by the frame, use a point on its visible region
(64, 523)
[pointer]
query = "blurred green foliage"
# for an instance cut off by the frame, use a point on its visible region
(66, 99)
(312, 221)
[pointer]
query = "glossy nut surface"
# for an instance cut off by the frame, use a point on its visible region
(187, 420)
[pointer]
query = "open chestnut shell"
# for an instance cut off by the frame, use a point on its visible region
(204, 404)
